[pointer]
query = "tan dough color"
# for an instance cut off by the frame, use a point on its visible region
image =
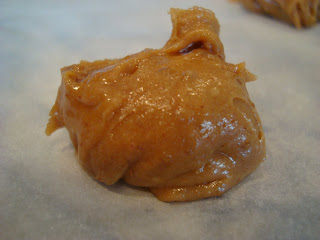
(301, 13)
(177, 120)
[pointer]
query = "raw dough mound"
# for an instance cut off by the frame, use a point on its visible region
(177, 120)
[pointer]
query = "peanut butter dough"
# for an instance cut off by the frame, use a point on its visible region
(301, 13)
(177, 120)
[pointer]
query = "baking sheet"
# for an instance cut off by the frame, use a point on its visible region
(44, 194)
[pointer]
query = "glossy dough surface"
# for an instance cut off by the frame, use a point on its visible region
(301, 13)
(177, 120)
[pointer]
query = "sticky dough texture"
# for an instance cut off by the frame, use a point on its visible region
(301, 13)
(177, 120)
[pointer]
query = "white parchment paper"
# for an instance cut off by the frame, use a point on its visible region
(44, 194)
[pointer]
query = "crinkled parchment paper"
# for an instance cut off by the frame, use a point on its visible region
(44, 194)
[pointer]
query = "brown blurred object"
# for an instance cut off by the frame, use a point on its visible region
(300, 13)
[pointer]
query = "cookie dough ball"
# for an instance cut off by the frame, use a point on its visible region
(177, 120)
